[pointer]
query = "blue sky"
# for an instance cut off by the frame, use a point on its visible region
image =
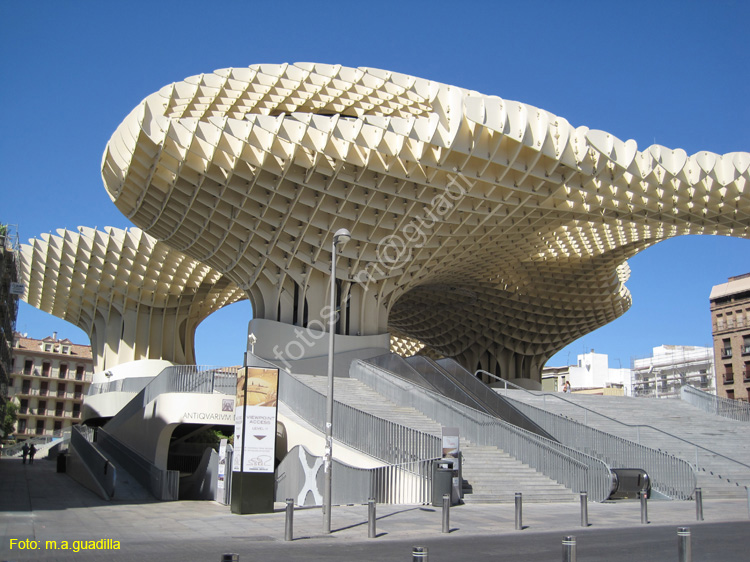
(672, 73)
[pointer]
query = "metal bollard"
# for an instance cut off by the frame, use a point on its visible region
(569, 549)
(519, 511)
(230, 557)
(371, 532)
(698, 504)
(289, 527)
(584, 509)
(748, 500)
(684, 548)
(446, 513)
(644, 508)
(420, 554)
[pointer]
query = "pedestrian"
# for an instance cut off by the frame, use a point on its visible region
(32, 452)
(566, 387)
(25, 452)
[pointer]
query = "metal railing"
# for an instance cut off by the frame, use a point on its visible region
(408, 483)
(670, 475)
(724, 407)
(383, 439)
(56, 435)
(103, 471)
(163, 484)
(574, 469)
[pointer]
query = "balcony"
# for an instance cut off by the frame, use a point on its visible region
(729, 378)
(746, 350)
(726, 353)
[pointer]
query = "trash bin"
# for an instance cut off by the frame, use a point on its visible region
(62, 462)
(442, 480)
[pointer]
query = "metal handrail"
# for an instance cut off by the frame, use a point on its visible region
(387, 441)
(705, 467)
(718, 405)
(568, 466)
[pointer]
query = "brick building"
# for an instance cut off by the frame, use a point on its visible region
(730, 317)
(48, 380)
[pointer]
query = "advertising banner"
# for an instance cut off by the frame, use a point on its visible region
(222, 468)
(255, 420)
(450, 442)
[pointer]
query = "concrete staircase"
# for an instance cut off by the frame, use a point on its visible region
(718, 477)
(490, 475)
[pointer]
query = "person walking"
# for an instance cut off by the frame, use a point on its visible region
(32, 452)
(25, 452)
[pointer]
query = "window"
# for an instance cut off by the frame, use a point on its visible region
(730, 393)
(79, 372)
(22, 426)
(726, 348)
(24, 407)
(40, 427)
(719, 322)
(745, 345)
(46, 368)
(26, 387)
(63, 373)
(728, 374)
(78, 392)
(76, 411)
(44, 388)
(746, 374)
(61, 390)
(28, 367)
(59, 409)
(58, 425)
(66, 349)
(42, 409)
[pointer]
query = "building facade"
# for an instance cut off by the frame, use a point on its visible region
(8, 305)
(730, 319)
(672, 366)
(49, 378)
(590, 375)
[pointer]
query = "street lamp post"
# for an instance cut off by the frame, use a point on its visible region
(342, 236)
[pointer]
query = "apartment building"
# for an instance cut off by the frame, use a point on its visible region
(9, 291)
(730, 318)
(670, 367)
(49, 378)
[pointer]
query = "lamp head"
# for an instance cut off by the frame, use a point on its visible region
(342, 236)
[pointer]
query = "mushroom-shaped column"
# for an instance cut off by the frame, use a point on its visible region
(493, 231)
(135, 297)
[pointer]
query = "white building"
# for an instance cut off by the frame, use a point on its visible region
(591, 374)
(672, 366)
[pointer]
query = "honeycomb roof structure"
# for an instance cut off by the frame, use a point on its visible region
(491, 230)
(135, 297)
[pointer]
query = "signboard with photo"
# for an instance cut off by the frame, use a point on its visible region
(255, 420)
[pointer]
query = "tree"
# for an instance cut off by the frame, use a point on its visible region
(9, 420)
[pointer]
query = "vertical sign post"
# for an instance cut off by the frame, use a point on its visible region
(254, 440)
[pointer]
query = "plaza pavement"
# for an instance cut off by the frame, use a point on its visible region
(40, 504)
